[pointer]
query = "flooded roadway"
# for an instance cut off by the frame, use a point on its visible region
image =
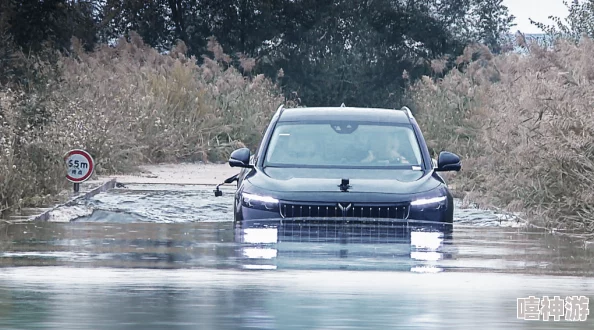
(168, 257)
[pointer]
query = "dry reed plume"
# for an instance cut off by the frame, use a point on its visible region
(524, 126)
(129, 105)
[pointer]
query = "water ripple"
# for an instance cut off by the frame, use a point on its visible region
(187, 203)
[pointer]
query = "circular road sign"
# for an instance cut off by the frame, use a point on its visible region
(80, 165)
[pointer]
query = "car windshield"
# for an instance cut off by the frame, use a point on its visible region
(344, 144)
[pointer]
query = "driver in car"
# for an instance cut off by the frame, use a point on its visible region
(389, 154)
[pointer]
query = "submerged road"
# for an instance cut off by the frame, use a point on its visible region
(154, 256)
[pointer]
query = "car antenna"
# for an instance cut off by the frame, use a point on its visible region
(342, 105)
(344, 185)
(218, 192)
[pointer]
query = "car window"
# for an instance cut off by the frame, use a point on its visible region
(343, 144)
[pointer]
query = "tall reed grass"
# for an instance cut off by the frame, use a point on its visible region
(524, 125)
(128, 105)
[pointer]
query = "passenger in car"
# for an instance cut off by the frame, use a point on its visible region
(296, 148)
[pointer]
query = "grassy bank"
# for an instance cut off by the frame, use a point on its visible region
(126, 105)
(525, 127)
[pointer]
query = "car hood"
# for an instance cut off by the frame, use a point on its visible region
(392, 181)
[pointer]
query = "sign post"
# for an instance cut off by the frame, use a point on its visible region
(80, 167)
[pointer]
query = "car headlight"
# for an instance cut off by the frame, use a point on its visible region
(259, 202)
(430, 202)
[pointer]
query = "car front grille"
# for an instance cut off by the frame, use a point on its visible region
(344, 210)
(336, 232)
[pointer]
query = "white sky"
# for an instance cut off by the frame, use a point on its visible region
(537, 10)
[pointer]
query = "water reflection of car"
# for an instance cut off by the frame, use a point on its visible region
(379, 246)
(341, 163)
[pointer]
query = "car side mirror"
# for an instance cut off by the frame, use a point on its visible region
(240, 158)
(447, 161)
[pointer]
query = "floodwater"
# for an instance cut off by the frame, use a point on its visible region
(168, 257)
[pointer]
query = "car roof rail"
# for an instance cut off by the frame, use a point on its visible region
(279, 110)
(407, 110)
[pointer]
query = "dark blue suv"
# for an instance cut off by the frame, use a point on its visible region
(341, 163)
